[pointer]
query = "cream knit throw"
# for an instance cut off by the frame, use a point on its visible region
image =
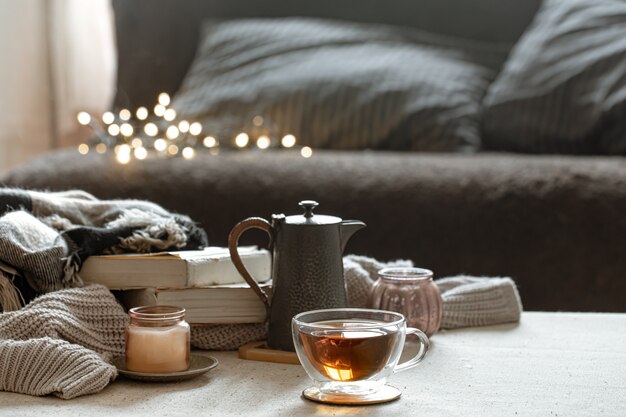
(467, 301)
(478, 301)
(58, 344)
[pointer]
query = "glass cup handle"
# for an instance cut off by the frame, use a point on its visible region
(424, 345)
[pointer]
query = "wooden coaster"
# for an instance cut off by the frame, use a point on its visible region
(258, 351)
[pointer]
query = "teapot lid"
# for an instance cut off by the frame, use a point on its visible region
(310, 219)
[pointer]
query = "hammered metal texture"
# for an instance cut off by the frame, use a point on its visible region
(308, 275)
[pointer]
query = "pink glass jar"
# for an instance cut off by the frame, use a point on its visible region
(410, 291)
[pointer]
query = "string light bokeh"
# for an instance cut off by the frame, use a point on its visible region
(159, 132)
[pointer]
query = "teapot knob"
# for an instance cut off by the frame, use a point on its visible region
(308, 206)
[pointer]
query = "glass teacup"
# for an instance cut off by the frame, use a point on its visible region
(350, 351)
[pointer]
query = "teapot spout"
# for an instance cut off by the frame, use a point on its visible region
(347, 229)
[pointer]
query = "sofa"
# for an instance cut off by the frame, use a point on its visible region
(554, 223)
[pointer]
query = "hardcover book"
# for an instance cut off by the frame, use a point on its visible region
(235, 303)
(208, 267)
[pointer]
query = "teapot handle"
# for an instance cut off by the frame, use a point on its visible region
(233, 241)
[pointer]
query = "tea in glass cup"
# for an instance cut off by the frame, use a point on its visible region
(349, 353)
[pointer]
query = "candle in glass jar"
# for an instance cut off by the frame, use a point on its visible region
(157, 340)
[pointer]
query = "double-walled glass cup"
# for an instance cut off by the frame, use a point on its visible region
(352, 351)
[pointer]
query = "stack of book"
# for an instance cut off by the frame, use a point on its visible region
(205, 283)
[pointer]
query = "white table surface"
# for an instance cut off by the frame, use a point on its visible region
(550, 364)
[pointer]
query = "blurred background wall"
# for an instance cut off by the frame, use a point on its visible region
(57, 57)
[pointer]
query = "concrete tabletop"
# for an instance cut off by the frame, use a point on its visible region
(550, 364)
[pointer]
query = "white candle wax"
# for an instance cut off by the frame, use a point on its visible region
(157, 349)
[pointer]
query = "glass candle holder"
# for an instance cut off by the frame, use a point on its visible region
(157, 340)
(412, 292)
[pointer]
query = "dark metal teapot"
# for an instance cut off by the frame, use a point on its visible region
(307, 267)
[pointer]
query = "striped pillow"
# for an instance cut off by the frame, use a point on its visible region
(563, 88)
(340, 85)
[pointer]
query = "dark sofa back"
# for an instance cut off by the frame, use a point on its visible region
(157, 39)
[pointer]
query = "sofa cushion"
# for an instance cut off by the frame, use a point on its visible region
(160, 37)
(563, 88)
(340, 85)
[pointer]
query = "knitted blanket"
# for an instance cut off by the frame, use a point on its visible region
(45, 237)
(60, 343)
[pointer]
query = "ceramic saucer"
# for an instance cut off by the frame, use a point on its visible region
(385, 394)
(198, 365)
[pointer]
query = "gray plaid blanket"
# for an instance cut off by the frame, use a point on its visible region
(45, 237)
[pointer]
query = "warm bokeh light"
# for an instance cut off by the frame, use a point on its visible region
(159, 110)
(137, 133)
(188, 153)
(125, 114)
(123, 158)
(183, 126)
(209, 142)
(241, 140)
(142, 113)
(306, 152)
(288, 141)
(263, 142)
(108, 117)
(141, 153)
(164, 99)
(172, 150)
(151, 129)
(160, 145)
(195, 128)
(122, 154)
(83, 118)
(172, 132)
(126, 129)
(113, 129)
(169, 115)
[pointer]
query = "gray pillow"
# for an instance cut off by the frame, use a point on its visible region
(340, 85)
(563, 88)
